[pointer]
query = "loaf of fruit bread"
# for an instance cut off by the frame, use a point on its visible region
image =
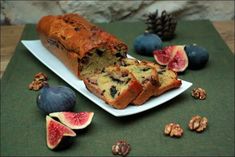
(116, 86)
(80, 45)
(168, 79)
(145, 74)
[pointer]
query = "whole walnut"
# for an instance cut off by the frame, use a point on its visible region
(40, 80)
(173, 129)
(121, 148)
(199, 93)
(198, 123)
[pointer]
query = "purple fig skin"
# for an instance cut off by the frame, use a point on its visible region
(56, 99)
(198, 56)
(146, 43)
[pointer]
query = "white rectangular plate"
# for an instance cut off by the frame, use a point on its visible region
(42, 54)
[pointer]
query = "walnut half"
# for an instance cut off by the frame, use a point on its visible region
(36, 85)
(199, 93)
(121, 148)
(198, 123)
(40, 77)
(40, 80)
(173, 129)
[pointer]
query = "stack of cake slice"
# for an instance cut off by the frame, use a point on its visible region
(131, 82)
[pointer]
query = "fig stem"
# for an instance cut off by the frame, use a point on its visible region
(146, 32)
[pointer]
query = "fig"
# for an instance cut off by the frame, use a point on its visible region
(56, 99)
(174, 57)
(74, 120)
(164, 56)
(197, 56)
(146, 43)
(55, 132)
(179, 62)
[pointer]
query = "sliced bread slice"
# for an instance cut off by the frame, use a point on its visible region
(168, 79)
(116, 86)
(145, 74)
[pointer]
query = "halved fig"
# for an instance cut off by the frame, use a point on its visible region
(74, 120)
(180, 60)
(164, 56)
(56, 131)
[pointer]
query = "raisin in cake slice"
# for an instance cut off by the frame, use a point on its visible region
(117, 87)
(145, 74)
(168, 79)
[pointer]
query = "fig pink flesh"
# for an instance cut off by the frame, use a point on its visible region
(180, 61)
(56, 131)
(79, 118)
(164, 56)
(74, 120)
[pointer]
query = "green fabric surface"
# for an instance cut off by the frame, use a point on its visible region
(23, 128)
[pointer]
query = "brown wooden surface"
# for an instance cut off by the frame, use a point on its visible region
(10, 36)
(226, 30)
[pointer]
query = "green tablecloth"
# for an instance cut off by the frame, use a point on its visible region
(23, 127)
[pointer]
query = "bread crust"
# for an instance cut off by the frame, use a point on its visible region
(69, 59)
(128, 95)
(148, 91)
(71, 38)
(162, 89)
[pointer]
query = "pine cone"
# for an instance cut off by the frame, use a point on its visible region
(164, 26)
